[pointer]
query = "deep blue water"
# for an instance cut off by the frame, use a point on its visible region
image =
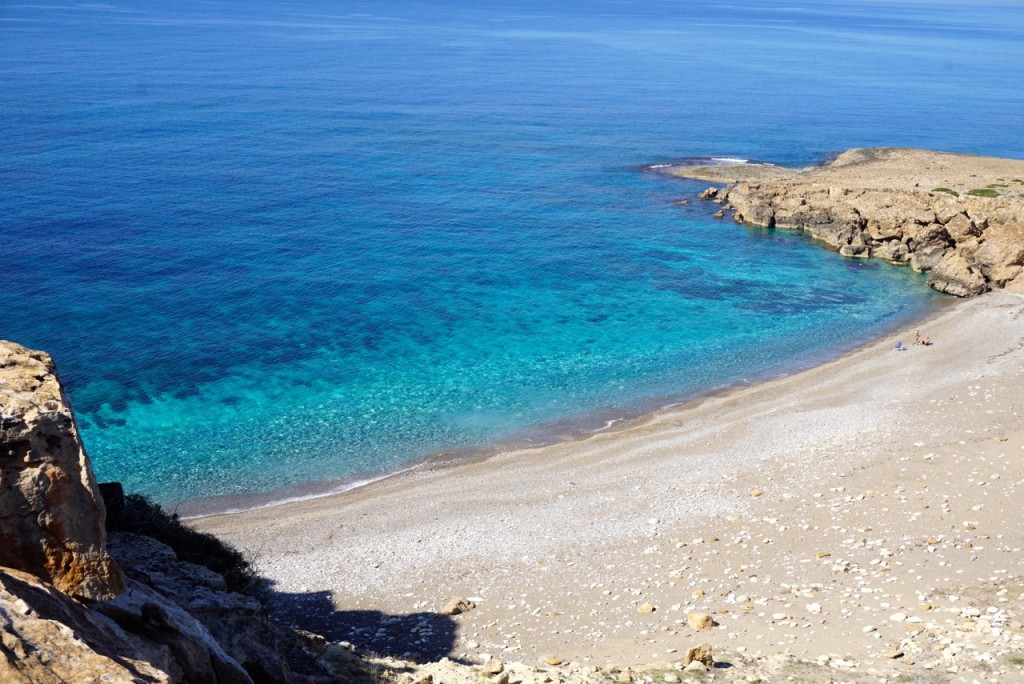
(271, 243)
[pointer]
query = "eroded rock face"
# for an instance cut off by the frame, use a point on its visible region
(141, 636)
(48, 638)
(238, 623)
(955, 276)
(174, 622)
(51, 513)
(932, 234)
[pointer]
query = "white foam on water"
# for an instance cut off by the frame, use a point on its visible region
(608, 424)
(347, 487)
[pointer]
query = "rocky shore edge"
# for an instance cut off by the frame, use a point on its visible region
(958, 218)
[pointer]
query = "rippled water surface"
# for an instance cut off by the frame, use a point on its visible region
(278, 243)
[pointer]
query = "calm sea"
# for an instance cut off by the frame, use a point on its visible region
(277, 243)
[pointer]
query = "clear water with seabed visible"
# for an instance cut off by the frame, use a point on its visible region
(277, 243)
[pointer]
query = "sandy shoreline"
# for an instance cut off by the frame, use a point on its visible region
(536, 437)
(902, 467)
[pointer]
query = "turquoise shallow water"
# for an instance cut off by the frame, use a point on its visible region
(271, 244)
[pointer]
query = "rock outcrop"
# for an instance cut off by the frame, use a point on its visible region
(174, 622)
(67, 611)
(235, 623)
(958, 217)
(46, 636)
(51, 512)
(140, 636)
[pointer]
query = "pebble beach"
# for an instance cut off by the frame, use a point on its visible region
(859, 519)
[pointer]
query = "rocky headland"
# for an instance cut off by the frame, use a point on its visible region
(960, 218)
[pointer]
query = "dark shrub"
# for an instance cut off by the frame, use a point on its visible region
(136, 514)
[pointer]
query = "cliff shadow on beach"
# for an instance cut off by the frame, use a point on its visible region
(420, 637)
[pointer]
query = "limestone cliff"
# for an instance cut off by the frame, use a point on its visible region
(51, 512)
(958, 217)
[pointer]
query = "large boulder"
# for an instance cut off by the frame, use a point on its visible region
(894, 251)
(961, 228)
(926, 258)
(51, 512)
(1001, 252)
(858, 247)
(928, 237)
(884, 221)
(946, 209)
(955, 276)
